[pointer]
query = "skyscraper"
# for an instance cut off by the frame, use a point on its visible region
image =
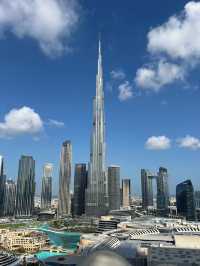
(10, 198)
(80, 184)
(64, 205)
(197, 199)
(147, 188)
(162, 192)
(25, 186)
(2, 186)
(46, 194)
(185, 200)
(1, 166)
(97, 194)
(126, 192)
(114, 187)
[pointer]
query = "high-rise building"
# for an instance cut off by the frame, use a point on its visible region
(162, 192)
(46, 193)
(147, 188)
(185, 200)
(25, 186)
(197, 199)
(114, 187)
(126, 192)
(10, 198)
(97, 193)
(2, 186)
(1, 166)
(64, 205)
(80, 184)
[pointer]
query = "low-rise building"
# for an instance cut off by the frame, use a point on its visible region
(27, 240)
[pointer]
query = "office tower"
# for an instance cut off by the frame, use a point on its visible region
(10, 198)
(162, 192)
(64, 205)
(197, 199)
(80, 184)
(114, 187)
(25, 186)
(126, 192)
(97, 193)
(185, 200)
(147, 188)
(46, 193)
(2, 186)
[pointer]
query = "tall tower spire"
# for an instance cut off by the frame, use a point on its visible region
(96, 194)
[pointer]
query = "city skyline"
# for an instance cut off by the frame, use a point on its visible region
(137, 122)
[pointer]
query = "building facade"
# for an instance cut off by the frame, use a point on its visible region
(185, 200)
(10, 198)
(197, 199)
(162, 192)
(97, 192)
(25, 186)
(1, 165)
(64, 204)
(80, 185)
(2, 186)
(126, 192)
(27, 240)
(114, 187)
(46, 194)
(147, 188)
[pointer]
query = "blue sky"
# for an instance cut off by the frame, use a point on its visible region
(151, 76)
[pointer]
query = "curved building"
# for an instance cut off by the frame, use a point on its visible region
(64, 204)
(10, 198)
(8, 259)
(25, 186)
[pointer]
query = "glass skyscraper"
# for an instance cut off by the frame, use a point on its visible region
(185, 200)
(25, 186)
(114, 187)
(126, 192)
(97, 191)
(147, 188)
(2, 186)
(64, 204)
(162, 192)
(46, 193)
(80, 184)
(10, 198)
(1, 166)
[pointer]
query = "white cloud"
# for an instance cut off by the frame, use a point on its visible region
(155, 77)
(178, 41)
(125, 91)
(20, 121)
(158, 143)
(55, 123)
(117, 74)
(189, 142)
(179, 37)
(49, 22)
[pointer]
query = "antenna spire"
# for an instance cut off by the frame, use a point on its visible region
(99, 43)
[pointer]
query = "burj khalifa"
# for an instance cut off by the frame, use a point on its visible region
(96, 193)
